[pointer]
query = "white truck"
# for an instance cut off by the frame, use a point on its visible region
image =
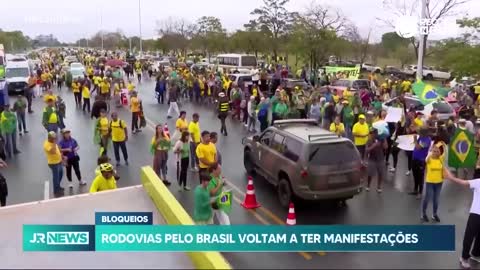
(429, 73)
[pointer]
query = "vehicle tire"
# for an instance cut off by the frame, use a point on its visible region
(247, 162)
(429, 77)
(342, 203)
(378, 71)
(414, 75)
(284, 192)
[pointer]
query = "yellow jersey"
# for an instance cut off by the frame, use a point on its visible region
(102, 184)
(206, 151)
(85, 92)
(56, 156)
(434, 170)
(361, 131)
(118, 130)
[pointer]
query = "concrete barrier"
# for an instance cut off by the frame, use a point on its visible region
(175, 214)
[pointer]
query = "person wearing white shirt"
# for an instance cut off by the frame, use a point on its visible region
(470, 249)
(252, 114)
(255, 76)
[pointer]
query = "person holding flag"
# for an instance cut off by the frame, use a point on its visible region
(462, 153)
(222, 203)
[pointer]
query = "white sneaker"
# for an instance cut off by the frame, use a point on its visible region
(392, 169)
(83, 183)
(407, 173)
(70, 185)
(367, 189)
(464, 263)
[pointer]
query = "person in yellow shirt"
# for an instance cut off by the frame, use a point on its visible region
(76, 89)
(406, 86)
(337, 127)
(86, 97)
(105, 88)
(435, 173)
(418, 122)
(103, 131)
(195, 138)
(360, 133)
(135, 108)
(104, 181)
(206, 154)
(182, 124)
(119, 134)
(55, 161)
(130, 86)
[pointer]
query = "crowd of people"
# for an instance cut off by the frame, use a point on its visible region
(258, 105)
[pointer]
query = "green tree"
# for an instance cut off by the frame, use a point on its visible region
(273, 19)
(209, 35)
(403, 54)
(391, 41)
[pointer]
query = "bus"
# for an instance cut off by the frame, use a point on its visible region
(236, 61)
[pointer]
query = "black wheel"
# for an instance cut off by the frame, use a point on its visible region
(377, 71)
(247, 162)
(284, 191)
(429, 77)
(342, 203)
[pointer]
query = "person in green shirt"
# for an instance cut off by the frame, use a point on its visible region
(19, 107)
(202, 212)
(281, 110)
(377, 104)
(215, 187)
(182, 151)
(8, 127)
(348, 118)
(274, 101)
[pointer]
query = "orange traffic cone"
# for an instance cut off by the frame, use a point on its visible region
(291, 219)
(165, 130)
(250, 201)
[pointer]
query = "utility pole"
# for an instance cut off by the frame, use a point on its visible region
(130, 44)
(101, 25)
(140, 26)
(421, 45)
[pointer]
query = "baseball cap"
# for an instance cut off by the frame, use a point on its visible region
(52, 134)
(361, 116)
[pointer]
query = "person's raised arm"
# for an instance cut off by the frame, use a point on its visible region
(448, 175)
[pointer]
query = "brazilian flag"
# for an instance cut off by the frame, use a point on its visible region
(461, 150)
(224, 201)
(428, 93)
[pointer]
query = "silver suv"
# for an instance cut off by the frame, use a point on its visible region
(305, 161)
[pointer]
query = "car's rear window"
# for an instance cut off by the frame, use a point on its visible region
(442, 107)
(333, 153)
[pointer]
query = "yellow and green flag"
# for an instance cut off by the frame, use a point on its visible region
(461, 150)
(428, 93)
(224, 201)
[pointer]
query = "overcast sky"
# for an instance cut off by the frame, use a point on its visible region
(76, 19)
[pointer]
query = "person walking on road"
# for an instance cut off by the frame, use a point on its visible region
(360, 133)
(202, 212)
(206, 153)
(69, 148)
(102, 132)
(182, 152)
(214, 140)
(195, 138)
(160, 145)
(215, 187)
(32, 83)
(50, 116)
(119, 135)
(375, 149)
(8, 127)
(86, 98)
(55, 161)
(470, 250)
(19, 107)
(172, 99)
(435, 173)
(135, 108)
(223, 107)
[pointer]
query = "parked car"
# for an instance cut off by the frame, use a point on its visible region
(429, 73)
(295, 156)
(241, 79)
(444, 109)
(391, 70)
(371, 68)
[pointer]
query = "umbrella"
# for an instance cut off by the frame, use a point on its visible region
(382, 128)
(114, 63)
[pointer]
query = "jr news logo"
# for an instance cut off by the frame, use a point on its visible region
(61, 238)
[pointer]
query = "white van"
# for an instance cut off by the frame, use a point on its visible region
(16, 76)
